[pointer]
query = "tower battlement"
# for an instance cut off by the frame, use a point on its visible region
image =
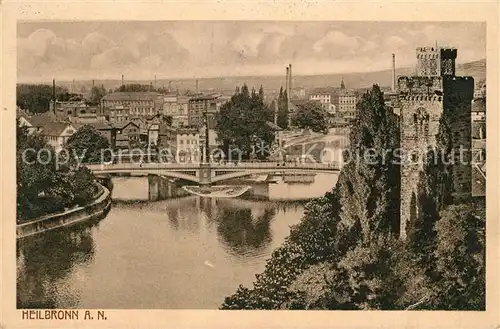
(433, 94)
(420, 84)
(436, 61)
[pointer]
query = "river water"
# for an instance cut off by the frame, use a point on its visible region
(183, 253)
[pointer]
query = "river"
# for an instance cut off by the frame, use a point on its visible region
(183, 253)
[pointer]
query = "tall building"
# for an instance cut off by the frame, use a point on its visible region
(346, 104)
(432, 95)
(201, 105)
(136, 103)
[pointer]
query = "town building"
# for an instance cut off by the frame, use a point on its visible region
(57, 134)
(117, 114)
(346, 103)
(188, 141)
(201, 105)
(478, 122)
(24, 120)
(434, 94)
(136, 103)
(128, 136)
(178, 108)
(72, 108)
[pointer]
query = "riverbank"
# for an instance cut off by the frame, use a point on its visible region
(99, 207)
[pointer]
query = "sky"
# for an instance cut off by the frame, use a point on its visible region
(203, 49)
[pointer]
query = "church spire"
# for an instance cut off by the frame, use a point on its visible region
(342, 85)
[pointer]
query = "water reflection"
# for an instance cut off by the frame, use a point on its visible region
(242, 231)
(154, 254)
(46, 261)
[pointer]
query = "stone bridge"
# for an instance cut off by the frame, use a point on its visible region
(205, 174)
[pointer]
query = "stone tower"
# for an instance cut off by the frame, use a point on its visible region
(434, 93)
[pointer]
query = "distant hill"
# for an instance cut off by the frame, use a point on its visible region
(227, 85)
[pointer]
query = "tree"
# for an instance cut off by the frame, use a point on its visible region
(361, 213)
(96, 94)
(87, 141)
(283, 109)
(37, 98)
(241, 124)
(311, 116)
(460, 257)
(42, 186)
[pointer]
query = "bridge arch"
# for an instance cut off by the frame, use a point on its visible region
(238, 174)
(166, 173)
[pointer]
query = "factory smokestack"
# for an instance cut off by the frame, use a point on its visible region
(54, 94)
(290, 81)
(393, 72)
(197, 87)
(170, 86)
(155, 81)
(122, 80)
(287, 80)
(93, 83)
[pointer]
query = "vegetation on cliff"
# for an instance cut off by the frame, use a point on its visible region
(43, 185)
(346, 254)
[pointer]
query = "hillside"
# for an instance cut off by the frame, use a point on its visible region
(476, 69)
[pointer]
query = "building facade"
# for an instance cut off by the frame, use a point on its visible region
(178, 108)
(201, 105)
(346, 103)
(57, 134)
(137, 103)
(432, 95)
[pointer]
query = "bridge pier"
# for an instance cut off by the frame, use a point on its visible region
(205, 173)
(162, 188)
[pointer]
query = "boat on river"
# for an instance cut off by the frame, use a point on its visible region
(218, 191)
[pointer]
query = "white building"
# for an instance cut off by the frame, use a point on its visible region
(57, 134)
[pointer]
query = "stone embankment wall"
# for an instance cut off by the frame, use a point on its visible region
(94, 210)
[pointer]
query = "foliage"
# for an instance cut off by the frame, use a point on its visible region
(37, 98)
(310, 116)
(135, 87)
(283, 109)
(460, 259)
(96, 94)
(87, 142)
(42, 185)
(346, 252)
(242, 124)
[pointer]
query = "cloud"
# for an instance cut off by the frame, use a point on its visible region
(231, 47)
(395, 42)
(95, 43)
(115, 57)
(337, 40)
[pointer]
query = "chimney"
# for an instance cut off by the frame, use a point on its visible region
(54, 94)
(155, 81)
(197, 87)
(393, 72)
(169, 86)
(122, 80)
(290, 81)
(93, 83)
(287, 80)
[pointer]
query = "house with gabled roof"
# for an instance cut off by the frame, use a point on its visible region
(57, 133)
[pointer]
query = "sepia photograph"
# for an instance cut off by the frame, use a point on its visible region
(158, 164)
(251, 165)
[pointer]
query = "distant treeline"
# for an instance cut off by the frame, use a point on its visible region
(36, 98)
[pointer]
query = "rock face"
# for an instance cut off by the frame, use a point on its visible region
(432, 99)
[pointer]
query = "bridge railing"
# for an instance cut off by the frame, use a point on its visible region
(228, 165)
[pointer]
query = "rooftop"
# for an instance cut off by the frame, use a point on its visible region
(129, 96)
(54, 128)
